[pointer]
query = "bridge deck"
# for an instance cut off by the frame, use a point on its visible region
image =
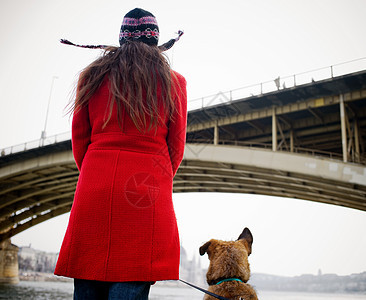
(308, 119)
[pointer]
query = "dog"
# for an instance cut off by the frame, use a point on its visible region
(229, 269)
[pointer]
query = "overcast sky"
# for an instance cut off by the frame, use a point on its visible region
(226, 45)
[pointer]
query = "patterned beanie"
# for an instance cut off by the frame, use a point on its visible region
(137, 25)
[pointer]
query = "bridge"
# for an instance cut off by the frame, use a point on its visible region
(302, 140)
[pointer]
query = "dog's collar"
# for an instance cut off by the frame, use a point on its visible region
(229, 279)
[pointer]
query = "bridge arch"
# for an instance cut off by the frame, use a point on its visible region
(36, 189)
(319, 118)
(236, 169)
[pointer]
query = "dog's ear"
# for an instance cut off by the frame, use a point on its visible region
(204, 248)
(247, 237)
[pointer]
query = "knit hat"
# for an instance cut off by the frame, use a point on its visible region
(137, 25)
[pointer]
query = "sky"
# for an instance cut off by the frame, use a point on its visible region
(226, 45)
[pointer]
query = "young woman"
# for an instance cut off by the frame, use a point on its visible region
(128, 136)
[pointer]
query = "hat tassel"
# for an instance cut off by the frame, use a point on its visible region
(67, 42)
(171, 42)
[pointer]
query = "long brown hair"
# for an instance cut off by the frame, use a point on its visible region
(136, 72)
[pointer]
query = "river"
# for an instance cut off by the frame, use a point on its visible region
(38, 290)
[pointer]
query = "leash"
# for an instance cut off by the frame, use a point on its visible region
(204, 291)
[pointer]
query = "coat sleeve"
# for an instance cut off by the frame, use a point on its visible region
(81, 131)
(178, 126)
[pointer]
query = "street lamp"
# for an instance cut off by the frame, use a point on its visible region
(43, 134)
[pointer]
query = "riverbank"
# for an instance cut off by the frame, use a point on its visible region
(41, 276)
(50, 277)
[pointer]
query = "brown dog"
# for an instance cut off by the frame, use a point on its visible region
(229, 267)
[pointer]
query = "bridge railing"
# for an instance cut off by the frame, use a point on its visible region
(54, 139)
(279, 83)
(65, 136)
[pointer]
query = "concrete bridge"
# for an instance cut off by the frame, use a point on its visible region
(305, 141)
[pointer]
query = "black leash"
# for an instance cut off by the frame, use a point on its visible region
(204, 291)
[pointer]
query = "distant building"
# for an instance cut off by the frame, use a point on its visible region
(34, 260)
(191, 270)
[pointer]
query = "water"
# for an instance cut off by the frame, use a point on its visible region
(37, 290)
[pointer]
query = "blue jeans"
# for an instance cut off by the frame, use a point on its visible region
(100, 290)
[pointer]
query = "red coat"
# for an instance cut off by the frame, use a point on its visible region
(122, 225)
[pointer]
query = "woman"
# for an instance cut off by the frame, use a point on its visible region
(128, 136)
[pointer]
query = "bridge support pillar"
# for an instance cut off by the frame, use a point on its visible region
(216, 134)
(357, 143)
(9, 269)
(343, 127)
(274, 130)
